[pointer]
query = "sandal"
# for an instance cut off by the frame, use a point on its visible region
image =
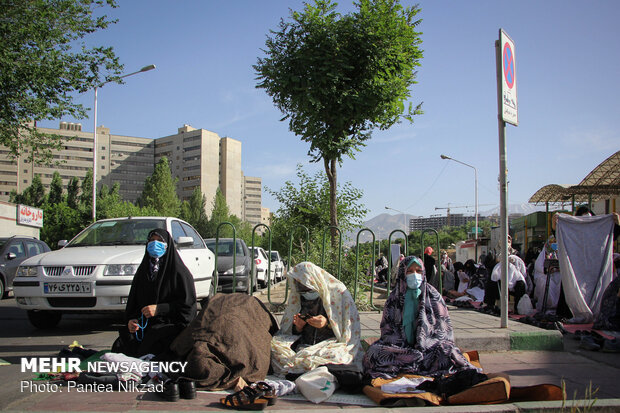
(247, 398)
(269, 392)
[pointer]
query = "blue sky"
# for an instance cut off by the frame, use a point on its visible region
(567, 60)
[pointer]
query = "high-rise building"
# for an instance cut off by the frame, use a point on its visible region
(197, 157)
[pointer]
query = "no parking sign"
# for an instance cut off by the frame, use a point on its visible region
(509, 79)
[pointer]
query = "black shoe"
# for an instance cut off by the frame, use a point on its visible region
(170, 392)
(187, 389)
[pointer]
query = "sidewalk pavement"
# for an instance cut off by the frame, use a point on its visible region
(528, 354)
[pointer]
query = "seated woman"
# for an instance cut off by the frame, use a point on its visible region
(416, 333)
(320, 324)
(161, 302)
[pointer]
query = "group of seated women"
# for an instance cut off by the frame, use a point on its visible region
(235, 336)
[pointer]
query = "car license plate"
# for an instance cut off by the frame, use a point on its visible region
(66, 288)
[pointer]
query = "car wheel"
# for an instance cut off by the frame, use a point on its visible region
(3, 292)
(44, 319)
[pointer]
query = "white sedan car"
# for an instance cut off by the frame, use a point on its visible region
(94, 271)
(263, 266)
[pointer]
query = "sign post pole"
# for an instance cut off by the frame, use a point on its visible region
(507, 112)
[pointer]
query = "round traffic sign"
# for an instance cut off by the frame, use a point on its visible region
(509, 65)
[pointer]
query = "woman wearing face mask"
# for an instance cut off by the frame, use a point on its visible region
(416, 333)
(161, 302)
(320, 324)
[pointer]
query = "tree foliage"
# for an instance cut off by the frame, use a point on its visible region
(55, 195)
(336, 78)
(307, 204)
(160, 192)
(194, 212)
(44, 62)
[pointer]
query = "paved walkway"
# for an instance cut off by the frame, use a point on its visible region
(529, 355)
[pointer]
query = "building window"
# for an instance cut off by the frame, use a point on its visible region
(103, 148)
(103, 157)
(102, 167)
(25, 181)
(25, 171)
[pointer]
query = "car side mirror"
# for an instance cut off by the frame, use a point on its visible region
(185, 241)
(11, 256)
(62, 243)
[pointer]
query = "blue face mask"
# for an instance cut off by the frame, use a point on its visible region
(156, 248)
(414, 280)
(310, 295)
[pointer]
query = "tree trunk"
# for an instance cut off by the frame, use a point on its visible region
(332, 177)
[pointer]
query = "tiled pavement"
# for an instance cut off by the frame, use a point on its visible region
(505, 350)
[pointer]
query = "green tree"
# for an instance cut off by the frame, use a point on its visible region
(60, 222)
(160, 190)
(193, 211)
(86, 191)
(34, 195)
(219, 213)
(336, 78)
(44, 64)
(55, 195)
(307, 204)
(73, 190)
(110, 205)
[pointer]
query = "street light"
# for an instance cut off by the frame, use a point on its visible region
(404, 215)
(476, 193)
(144, 69)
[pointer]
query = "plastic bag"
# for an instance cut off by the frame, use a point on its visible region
(524, 306)
(317, 385)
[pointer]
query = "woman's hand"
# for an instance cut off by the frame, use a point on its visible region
(298, 322)
(318, 321)
(149, 310)
(132, 325)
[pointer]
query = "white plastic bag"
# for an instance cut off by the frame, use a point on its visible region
(524, 306)
(316, 385)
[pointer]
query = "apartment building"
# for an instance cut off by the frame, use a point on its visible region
(198, 158)
(127, 160)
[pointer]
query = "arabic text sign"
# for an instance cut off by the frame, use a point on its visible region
(509, 79)
(27, 215)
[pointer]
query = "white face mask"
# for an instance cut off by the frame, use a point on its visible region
(414, 280)
(310, 295)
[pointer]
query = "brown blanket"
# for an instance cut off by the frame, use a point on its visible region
(230, 338)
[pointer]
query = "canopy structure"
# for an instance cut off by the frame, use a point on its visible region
(602, 183)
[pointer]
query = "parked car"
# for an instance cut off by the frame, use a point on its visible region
(226, 270)
(93, 272)
(13, 251)
(263, 266)
(278, 265)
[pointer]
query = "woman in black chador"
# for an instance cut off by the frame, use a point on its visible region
(161, 302)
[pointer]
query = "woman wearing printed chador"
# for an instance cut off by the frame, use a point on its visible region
(416, 333)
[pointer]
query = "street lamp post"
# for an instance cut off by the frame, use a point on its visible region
(476, 194)
(144, 69)
(404, 216)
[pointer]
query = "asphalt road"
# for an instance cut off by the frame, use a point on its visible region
(18, 338)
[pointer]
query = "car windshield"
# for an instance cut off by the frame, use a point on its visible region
(274, 256)
(2, 241)
(117, 232)
(225, 248)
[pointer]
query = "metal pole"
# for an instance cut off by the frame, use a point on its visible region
(144, 69)
(476, 207)
(503, 195)
(95, 160)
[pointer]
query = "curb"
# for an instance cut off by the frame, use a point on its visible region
(539, 341)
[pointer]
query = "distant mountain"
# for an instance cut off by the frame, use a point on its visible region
(383, 224)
